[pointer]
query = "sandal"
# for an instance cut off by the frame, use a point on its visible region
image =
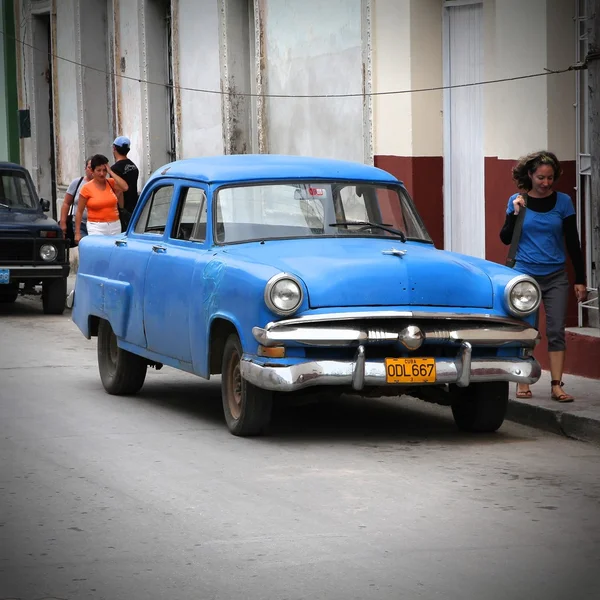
(563, 397)
(523, 394)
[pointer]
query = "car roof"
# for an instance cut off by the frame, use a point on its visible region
(259, 167)
(12, 166)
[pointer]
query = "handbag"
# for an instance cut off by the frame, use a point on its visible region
(124, 217)
(70, 234)
(516, 237)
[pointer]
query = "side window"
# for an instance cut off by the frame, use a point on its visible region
(156, 211)
(191, 219)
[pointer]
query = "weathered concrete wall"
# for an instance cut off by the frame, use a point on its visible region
(316, 48)
(95, 103)
(130, 99)
(69, 124)
(197, 24)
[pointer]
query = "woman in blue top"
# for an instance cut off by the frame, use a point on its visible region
(549, 225)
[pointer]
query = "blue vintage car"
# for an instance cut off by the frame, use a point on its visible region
(285, 273)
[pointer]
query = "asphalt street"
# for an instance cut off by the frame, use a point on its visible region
(149, 497)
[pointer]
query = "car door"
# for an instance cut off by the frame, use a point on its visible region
(129, 260)
(170, 291)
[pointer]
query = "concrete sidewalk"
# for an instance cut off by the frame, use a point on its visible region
(579, 419)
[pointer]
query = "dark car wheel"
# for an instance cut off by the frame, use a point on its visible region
(8, 297)
(247, 408)
(481, 407)
(121, 372)
(54, 294)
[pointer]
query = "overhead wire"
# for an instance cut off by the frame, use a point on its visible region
(544, 73)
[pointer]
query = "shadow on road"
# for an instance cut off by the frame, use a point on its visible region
(337, 420)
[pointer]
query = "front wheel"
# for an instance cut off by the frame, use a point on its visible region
(121, 372)
(247, 408)
(54, 294)
(481, 407)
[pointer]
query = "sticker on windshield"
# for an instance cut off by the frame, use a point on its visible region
(313, 191)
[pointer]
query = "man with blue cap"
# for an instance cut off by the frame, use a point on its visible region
(126, 168)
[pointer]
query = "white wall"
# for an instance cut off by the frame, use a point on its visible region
(521, 107)
(561, 88)
(392, 71)
(198, 67)
(314, 47)
(427, 72)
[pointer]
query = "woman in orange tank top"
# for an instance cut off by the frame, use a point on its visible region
(99, 196)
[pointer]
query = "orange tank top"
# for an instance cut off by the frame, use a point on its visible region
(101, 204)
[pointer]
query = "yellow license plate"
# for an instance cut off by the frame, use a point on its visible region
(410, 370)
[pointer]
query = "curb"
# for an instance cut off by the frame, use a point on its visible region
(580, 425)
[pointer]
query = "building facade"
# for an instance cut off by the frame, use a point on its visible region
(389, 82)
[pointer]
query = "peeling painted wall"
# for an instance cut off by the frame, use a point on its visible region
(67, 75)
(199, 67)
(128, 59)
(312, 55)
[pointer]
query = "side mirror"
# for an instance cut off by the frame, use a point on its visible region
(45, 204)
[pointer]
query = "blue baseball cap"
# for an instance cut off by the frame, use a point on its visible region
(121, 141)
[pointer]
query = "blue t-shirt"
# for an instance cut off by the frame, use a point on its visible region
(541, 247)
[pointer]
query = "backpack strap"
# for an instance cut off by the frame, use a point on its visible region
(516, 237)
(71, 209)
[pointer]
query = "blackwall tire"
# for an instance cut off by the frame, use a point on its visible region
(481, 407)
(247, 408)
(8, 298)
(54, 295)
(121, 372)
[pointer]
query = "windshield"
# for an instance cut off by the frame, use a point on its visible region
(14, 191)
(315, 209)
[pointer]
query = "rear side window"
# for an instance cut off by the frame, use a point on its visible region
(190, 223)
(156, 211)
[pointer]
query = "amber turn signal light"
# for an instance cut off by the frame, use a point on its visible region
(276, 352)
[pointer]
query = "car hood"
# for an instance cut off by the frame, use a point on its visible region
(356, 272)
(14, 219)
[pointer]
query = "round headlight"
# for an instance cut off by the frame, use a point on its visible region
(283, 294)
(48, 252)
(523, 296)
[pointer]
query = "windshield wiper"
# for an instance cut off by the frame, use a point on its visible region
(5, 206)
(366, 225)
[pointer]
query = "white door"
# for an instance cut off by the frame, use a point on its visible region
(464, 203)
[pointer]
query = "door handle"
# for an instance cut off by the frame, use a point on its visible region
(159, 249)
(120, 243)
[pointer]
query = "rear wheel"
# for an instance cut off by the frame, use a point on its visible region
(8, 296)
(247, 408)
(54, 294)
(121, 372)
(481, 407)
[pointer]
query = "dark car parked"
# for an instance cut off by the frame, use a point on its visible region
(33, 251)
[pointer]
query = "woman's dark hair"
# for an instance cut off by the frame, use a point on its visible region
(98, 160)
(529, 164)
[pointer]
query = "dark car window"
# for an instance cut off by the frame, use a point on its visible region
(191, 219)
(14, 191)
(156, 211)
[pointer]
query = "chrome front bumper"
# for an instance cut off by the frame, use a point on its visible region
(360, 372)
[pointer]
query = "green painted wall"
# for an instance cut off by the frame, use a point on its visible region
(9, 125)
